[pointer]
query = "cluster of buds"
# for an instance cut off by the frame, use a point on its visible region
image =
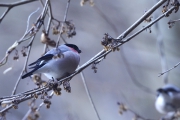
(91, 2)
(23, 51)
(34, 115)
(46, 40)
(165, 8)
(15, 103)
(37, 80)
(122, 108)
(55, 30)
(57, 90)
(148, 29)
(68, 28)
(47, 102)
(67, 86)
(176, 4)
(110, 43)
(171, 23)
(149, 19)
(55, 87)
(15, 106)
(94, 67)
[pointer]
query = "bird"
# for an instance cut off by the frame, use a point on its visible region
(168, 99)
(56, 68)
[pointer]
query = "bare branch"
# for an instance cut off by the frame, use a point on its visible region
(11, 5)
(140, 20)
(16, 3)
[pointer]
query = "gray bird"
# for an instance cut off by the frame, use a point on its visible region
(168, 99)
(59, 67)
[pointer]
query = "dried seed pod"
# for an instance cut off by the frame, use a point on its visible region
(46, 101)
(51, 43)
(47, 106)
(57, 92)
(55, 31)
(15, 106)
(23, 51)
(44, 38)
(16, 56)
(35, 96)
(123, 107)
(58, 88)
(36, 114)
(165, 9)
(3, 105)
(36, 78)
(120, 112)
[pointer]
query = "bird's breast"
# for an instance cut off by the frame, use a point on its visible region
(160, 104)
(58, 67)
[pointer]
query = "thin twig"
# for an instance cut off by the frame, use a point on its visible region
(67, 8)
(169, 69)
(89, 95)
(160, 45)
(29, 20)
(30, 110)
(65, 17)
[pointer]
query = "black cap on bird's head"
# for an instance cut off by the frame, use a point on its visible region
(74, 47)
(167, 89)
(161, 90)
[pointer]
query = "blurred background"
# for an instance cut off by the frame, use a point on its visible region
(138, 60)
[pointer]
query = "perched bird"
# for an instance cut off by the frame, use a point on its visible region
(57, 68)
(168, 99)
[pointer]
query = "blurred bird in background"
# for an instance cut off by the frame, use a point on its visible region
(168, 99)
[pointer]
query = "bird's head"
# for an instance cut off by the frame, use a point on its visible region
(74, 47)
(167, 90)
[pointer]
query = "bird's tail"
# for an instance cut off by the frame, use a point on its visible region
(31, 72)
(27, 74)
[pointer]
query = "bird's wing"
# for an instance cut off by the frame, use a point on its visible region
(176, 100)
(49, 55)
(46, 57)
(38, 64)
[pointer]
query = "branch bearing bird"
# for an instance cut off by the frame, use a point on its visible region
(56, 68)
(168, 99)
